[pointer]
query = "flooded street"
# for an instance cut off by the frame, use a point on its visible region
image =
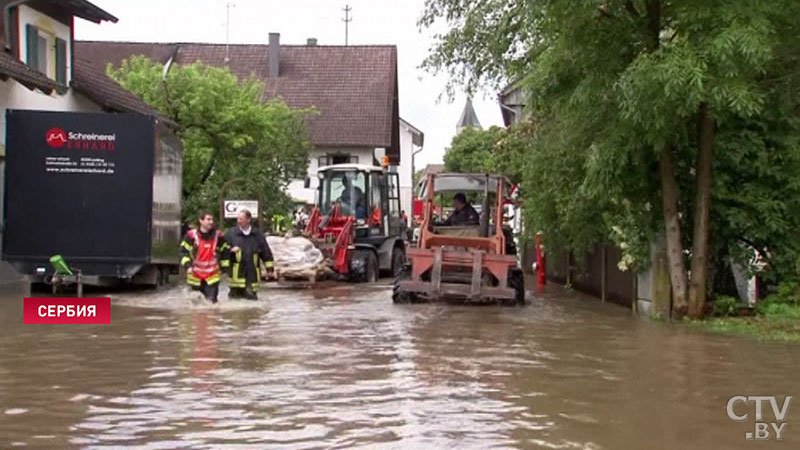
(343, 367)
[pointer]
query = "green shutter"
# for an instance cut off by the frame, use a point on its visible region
(61, 61)
(32, 46)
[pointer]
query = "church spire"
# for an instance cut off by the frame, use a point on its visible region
(468, 118)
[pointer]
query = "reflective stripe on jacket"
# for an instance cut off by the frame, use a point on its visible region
(204, 254)
(238, 279)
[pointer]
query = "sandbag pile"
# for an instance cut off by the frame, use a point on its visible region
(296, 258)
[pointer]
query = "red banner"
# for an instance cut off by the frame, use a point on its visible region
(44, 310)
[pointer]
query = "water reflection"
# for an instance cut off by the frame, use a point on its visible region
(344, 367)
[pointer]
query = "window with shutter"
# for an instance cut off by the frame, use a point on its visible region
(61, 61)
(41, 53)
(32, 46)
(46, 53)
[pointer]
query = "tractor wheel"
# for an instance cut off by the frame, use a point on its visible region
(400, 296)
(398, 261)
(516, 281)
(364, 266)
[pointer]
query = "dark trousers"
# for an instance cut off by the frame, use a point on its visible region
(249, 272)
(245, 292)
(210, 291)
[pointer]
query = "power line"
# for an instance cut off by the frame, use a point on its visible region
(347, 19)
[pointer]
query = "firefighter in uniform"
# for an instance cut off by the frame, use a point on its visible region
(249, 250)
(279, 224)
(203, 251)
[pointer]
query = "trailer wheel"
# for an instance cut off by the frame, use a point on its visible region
(516, 281)
(401, 296)
(364, 266)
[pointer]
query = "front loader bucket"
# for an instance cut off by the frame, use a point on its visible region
(439, 274)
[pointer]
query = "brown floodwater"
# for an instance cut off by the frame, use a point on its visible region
(343, 367)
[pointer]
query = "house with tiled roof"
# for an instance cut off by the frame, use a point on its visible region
(40, 71)
(352, 88)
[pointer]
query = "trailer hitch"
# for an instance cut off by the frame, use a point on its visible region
(64, 275)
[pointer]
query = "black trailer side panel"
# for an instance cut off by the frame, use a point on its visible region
(79, 185)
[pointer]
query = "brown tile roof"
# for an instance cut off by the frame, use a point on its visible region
(93, 82)
(100, 53)
(11, 67)
(86, 79)
(354, 88)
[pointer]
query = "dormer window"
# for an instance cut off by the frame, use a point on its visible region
(46, 53)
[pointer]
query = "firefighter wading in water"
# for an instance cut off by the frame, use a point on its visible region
(203, 251)
(249, 250)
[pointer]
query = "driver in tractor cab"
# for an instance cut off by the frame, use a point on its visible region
(356, 206)
(463, 213)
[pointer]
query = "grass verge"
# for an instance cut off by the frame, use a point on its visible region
(777, 321)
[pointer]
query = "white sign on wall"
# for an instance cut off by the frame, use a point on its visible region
(234, 207)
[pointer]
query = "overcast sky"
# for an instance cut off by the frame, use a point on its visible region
(374, 22)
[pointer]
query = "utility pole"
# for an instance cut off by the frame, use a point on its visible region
(228, 6)
(347, 19)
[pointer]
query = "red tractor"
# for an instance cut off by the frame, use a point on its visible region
(472, 263)
(357, 222)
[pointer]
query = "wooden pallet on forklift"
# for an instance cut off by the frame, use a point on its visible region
(307, 275)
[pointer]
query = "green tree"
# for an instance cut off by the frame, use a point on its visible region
(495, 150)
(509, 153)
(471, 150)
(634, 100)
(227, 131)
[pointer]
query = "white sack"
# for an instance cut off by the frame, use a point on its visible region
(294, 254)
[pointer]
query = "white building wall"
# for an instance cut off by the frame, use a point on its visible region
(404, 170)
(16, 96)
(296, 188)
(51, 26)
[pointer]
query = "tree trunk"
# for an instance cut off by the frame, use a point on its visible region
(669, 199)
(700, 244)
(660, 281)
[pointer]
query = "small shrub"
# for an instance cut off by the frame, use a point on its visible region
(724, 305)
(782, 311)
(788, 292)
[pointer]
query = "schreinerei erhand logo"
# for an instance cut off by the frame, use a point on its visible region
(56, 137)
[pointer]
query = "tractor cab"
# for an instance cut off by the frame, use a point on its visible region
(368, 194)
(357, 222)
